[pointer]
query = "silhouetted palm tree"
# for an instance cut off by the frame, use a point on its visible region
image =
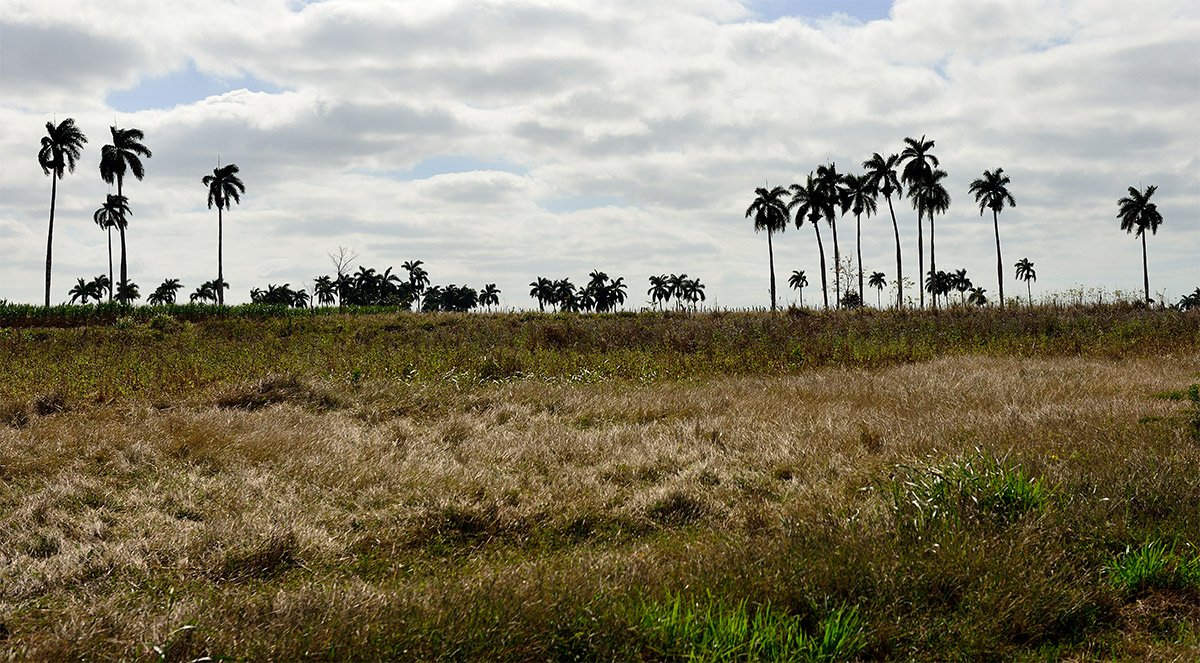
(83, 291)
(883, 177)
(832, 189)
(960, 282)
(978, 297)
(859, 197)
(61, 147)
(112, 214)
(127, 293)
(799, 281)
(930, 196)
(325, 290)
(1026, 273)
(991, 192)
(770, 214)
(543, 291)
(919, 166)
(1137, 214)
(164, 293)
(102, 285)
(224, 186)
(205, 292)
(124, 152)
(418, 278)
(693, 291)
(878, 281)
(1190, 301)
(810, 201)
(489, 296)
(676, 283)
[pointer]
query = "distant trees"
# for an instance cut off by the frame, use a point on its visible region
(929, 196)
(770, 214)
(798, 281)
(1190, 301)
(859, 197)
(489, 296)
(224, 187)
(960, 282)
(978, 297)
(282, 295)
(601, 294)
(879, 282)
(111, 215)
(207, 292)
(829, 181)
(61, 148)
(991, 192)
(1137, 215)
(1026, 273)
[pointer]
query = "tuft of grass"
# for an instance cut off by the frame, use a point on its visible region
(973, 489)
(1153, 565)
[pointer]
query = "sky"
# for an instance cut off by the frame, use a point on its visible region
(503, 141)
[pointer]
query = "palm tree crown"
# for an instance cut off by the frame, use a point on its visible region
(122, 155)
(770, 214)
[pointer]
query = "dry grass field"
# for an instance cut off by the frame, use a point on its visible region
(171, 490)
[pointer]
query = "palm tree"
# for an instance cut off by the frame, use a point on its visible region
(1026, 273)
(1137, 213)
(859, 196)
(991, 192)
(124, 152)
(127, 293)
(799, 281)
(325, 290)
(205, 292)
(164, 293)
(693, 291)
(960, 282)
(82, 291)
(489, 296)
(223, 186)
(810, 201)
(770, 214)
(931, 198)
(920, 165)
(878, 282)
(676, 283)
(978, 297)
(832, 189)
(101, 285)
(418, 278)
(659, 291)
(883, 177)
(61, 147)
(543, 291)
(1190, 301)
(112, 214)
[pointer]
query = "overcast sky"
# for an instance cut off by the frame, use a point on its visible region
(501, 141)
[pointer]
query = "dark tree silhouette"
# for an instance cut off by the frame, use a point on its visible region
(931, 197)
(1026, 273)
(878, 281)
(883, 177)
(165, 293)
(418, 278)
(61, 147)
(770, 214)
(82, 291)
(112, 214)
(918, 165)
(489, 296)
(1138, 214)
(1190, 301)
(832, 189)
(799, 282)
(102, 285)
(960, 282)
(810, 201)
(543, 291)
(659, 290)
(325, 290)
(692, 292)
(978, 297)
(859, 197)
(224, 187)
(124, 153)
(127, 293)
(991, 192)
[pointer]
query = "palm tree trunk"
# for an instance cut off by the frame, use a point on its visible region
(899, 269)
(999, 261)
(1029, 293)
(50, 232)
(220, 265)
(858, 231)
(1145, 269)
(879, 298)
(801, 297)
(771, 257)
(121, 229)
(921, 254)
(933, 262)
(110, 266)
(821, 250)
(837, 266)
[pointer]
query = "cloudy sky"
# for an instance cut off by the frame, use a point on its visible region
(499, 141)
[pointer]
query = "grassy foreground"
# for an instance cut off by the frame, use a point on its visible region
(730, 486)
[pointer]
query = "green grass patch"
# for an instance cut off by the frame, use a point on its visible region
(973, 489)
(1154, 565)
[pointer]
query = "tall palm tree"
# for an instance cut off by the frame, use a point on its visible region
(930, 196)
(1026, 273)
(991, 192)
(859, 197)
(878, 281)
(1137, 214)
(112, 214)
(489, 296)
(770, 214)
(418, 278)
(920, 164)
(831, 183)
(61, 147)
(799, 282)
(810, 201)
(123, 153)
(883, 177)
(223, 186)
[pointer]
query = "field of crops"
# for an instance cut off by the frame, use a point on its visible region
(974, 484)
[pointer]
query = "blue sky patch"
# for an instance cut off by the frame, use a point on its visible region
(444, 164)
(564, 204)
(863, 10)
(184, 86)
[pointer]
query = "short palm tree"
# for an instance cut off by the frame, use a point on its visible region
(489, 296)
(930, 197)
(543, 291)
(859, 197)
(224, 186)
(61, 147)
(127, 293)
(101, 285)
(960, 282)
(879, 282)
(82, 291)
(810, 201)
(770, 214)
(164, 293)
(882, 172)
(325, 290)
(676, 283)
(799, 282)
(991, 192)
(1137, 215)
(418, 278)
(978, 297)
(1026, 273)
(658, 291)
(124, 153)
(918, 165)
(693, 291)
(113, 213)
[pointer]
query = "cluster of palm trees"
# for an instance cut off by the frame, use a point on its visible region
(678, 286)
(61, 149)
(601, 294)
(827, 195)
(368, 287)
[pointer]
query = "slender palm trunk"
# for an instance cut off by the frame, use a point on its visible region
(933, 262)
(220, 265)
(899, 269)
(801, 297)
(821, 250)
(858, 231)
(837, 265)
(1029, 293)
(921, 253)
(121, 229)
(110, 266)
(50, 231)
(999, 261)
(771, 257)
(1145, 269)
(879, 298)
